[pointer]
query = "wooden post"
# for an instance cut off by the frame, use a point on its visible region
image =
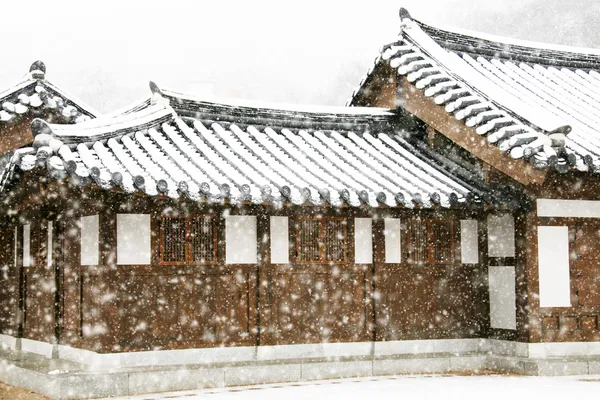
(110, 275)
(21, 283)
(521, 244)
(378, 258)
(482, 289)
(263, 230)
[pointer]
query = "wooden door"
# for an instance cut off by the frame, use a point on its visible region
(587, 264)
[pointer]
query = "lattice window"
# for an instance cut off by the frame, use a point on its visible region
(321, 240)
(335, 240)
(173, 240)
(188, 240)
(442, 241)
(430, 241)
(417, 241)
(202, 239)
(309, 249)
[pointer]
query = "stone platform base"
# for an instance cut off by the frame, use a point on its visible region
(63, 379)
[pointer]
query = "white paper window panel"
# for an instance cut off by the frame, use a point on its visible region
(133, 239)
(501, 235)
(553, 266)
(49, 245)
(27, 245)
(503, 309)
(90, 240)
(469, 241)
(391, 234)
(280, 244)
(241, 242)
(568, 208)
(363, 241)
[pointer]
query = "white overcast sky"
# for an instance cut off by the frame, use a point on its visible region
(311, 52)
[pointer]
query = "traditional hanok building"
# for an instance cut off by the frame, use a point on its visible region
(446, 221)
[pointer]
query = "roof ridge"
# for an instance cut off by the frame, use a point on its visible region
(512, 40)
(105, 127)
(302, 108)
(476, 42)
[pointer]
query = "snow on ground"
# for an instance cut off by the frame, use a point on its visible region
(404, 387)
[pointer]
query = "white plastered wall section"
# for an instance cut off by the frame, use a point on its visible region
(133, 239)
(363, 241)
(469, 241)
(392, 234)
(280, 240)
(241, 239)
(553, 266)
(90, 240)
(27, 245)
(501, 279)
(50, 243)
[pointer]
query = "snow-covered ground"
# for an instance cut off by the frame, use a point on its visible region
(405, 387)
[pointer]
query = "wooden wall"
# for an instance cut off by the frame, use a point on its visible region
(581, 321)
(38, 288)
(111, 308)
(9, 281)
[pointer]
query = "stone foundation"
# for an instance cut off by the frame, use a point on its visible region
(78, 374)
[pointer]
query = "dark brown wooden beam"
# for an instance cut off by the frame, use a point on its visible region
(415, 102)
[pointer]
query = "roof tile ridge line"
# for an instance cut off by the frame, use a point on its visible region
(560, 128)
(155, 111)
(112, 128)
(511, 41)
(281, 107)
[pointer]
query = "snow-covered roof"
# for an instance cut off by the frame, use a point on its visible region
(264, 113)
(533, 101)
(35, 96)
(181, 146)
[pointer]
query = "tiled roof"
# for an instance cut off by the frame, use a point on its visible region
(540, 103)
(35, 96)
(181, 146)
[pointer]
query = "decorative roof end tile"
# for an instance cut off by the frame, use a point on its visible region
(38, 70)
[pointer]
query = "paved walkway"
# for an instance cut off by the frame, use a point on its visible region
(405, 387)
(8, 392)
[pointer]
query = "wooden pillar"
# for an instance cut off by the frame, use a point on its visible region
(482, 286)
(534, 323)
(109, 275)
(522, 243)
(378, 259)
(54, 247)
(263, 230)
(70, 281)
(20, 282)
